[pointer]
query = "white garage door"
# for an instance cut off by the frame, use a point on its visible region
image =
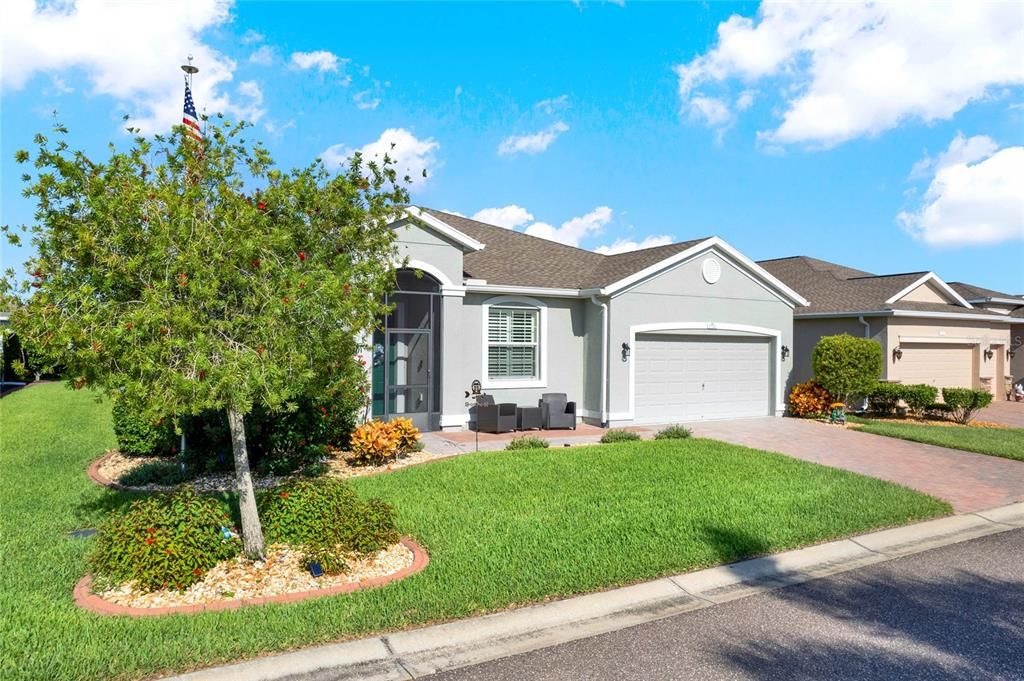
(689, 378)
(939, 364)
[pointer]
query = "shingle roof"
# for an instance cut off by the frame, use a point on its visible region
(516, 259)
(971, 292)
(834, 288)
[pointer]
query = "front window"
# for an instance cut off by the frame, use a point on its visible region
(513, 343)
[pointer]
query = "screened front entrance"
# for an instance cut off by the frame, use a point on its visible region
(406, 376)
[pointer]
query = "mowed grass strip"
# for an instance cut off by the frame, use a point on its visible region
(502, 528)
(1005, 442)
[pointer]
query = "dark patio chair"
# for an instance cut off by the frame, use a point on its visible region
(494, 418)
(556, 412)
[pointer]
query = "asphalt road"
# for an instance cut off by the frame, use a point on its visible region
(951, 613)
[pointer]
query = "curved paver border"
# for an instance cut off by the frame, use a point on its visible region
(93, 471)
(84, 598)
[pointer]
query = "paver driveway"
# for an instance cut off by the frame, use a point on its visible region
(1004, 412)
(970, 482)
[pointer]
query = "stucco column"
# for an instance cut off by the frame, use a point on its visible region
(454, 380)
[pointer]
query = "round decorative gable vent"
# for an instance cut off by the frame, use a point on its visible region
(711, 270)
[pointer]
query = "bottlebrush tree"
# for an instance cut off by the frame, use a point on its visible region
(193, 275)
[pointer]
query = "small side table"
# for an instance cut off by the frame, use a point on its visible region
(527, 418)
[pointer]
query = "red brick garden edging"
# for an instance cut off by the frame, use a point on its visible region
(84, 598)
(93, 471)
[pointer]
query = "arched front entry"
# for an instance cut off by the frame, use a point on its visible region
(406, 352)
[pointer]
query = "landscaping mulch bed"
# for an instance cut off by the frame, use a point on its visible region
(113, 465)
(281, 573)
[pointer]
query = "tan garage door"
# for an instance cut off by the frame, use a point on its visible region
(939, 364)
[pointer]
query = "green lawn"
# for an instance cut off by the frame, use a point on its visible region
(1004, 442)
(502, 528)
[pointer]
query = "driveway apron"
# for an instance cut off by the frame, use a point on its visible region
(970, 482)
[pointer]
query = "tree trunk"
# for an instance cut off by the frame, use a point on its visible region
(252, 531)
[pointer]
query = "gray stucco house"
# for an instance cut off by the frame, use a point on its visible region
(682, 332)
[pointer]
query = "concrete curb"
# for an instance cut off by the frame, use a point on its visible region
(419, 652)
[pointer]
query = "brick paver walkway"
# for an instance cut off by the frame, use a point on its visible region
(970, 482)
(1006, 413)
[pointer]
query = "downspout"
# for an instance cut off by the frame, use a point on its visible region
(604, 359)
(867, 334)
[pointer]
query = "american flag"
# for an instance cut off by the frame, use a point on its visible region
(190, 120)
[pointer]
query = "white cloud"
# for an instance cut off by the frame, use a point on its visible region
(250, 37)
(571, 232)
(712, 110)
(626, 245)
(365, 99)
(975, 197)
(510, 216)
(745, 100)
(113, 44)
(961, 150)
(532, 144)
(411, 155)
(265, 55)
(552, 105)
(321, 60)
(853, 69)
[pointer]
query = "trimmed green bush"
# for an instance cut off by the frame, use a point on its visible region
(155, 473)
(137, 436)
(884, 397)
(527, 442)
(327, 519)
(964, 403)
(163, 541)
(937, 410)
(847, 366)
(673, 433)
(619, 435)
(919, 396)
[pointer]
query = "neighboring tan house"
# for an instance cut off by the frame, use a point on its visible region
(1005, 304)
(929, 332)
(682, 332)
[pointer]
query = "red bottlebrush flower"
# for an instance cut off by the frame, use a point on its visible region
(37, 273)
(260, 350)
(182, 279)
(197, 571)
(150, 530)
(150, 541)
(362, 390)
(302, 256)
(346, 288)
(286, 300)
(79, 383)
(261, 205)
(302, 284)
(164, 330)
(202, 375)
(37, 284)
(256, 264)
(129, 326)
(169, 552)
(284, 495)
(323, 409)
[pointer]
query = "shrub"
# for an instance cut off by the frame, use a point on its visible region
(847, 366)
(619, 435)
(155, 473)
(919, 396)
(885, 397)
(527, 442)
(373, 443)
(407, 435)
(937, 410)
(808, 400)
(137, 436)
(673, 433)
(328, 520)
(964, 403)
(163, 541)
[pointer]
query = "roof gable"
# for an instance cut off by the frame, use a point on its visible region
(914, 292)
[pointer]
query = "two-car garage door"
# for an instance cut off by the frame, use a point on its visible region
(690, 378)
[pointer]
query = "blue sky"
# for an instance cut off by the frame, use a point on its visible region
(883, 138)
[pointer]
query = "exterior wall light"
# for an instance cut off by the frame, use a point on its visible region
(1010, 354)
(626, 350)
(989, 353)
(785, 352)
(897, 353)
